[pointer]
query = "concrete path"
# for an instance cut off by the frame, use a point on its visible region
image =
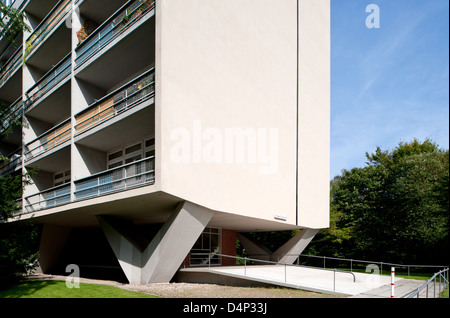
(358, 285)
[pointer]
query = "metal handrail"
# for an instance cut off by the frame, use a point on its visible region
(372, 262)
(99, 185)
(40, 32)
(88, 43)
(110, 96)
(29, 151)
(10, 66)
(285, 266)
(14, 160)
(53, 201)
(48, 81)
(14, 112)
(441, 274)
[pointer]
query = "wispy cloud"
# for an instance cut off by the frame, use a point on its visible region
(389, 84)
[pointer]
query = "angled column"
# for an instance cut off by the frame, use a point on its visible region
(254, 249)
(289, 252)
(161, 258)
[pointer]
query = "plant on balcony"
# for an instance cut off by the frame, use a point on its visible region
(86, 29)
(28, 47)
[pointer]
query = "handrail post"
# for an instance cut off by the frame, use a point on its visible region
(245, 266)
(434, 287)
(334, 280)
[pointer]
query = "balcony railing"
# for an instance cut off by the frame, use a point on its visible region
(52, 138)
(122, 99)
(122, 178)
(48, 199)
(15, 160)
(14, 113)
(120, 21)
(58, 14)
(10, 66)
(53, 77)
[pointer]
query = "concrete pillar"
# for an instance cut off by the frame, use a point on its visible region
(53, 240)
(160, 260)
(289, 252)
(254, 249)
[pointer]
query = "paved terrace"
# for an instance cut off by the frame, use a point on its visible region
(358, 285)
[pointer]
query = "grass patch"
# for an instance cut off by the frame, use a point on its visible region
(444, 294)
(58, 289)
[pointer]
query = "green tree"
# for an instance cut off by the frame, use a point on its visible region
(18, 241)
(396, 209)
(12, 22)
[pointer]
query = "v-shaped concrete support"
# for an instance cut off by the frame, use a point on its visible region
(287, 253)
(159, 261)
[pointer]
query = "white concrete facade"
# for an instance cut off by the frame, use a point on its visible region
(221, 105)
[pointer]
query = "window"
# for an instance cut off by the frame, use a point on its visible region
(131, 153)
(61, 178)
(206, 248)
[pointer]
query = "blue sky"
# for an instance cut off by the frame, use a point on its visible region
(388, 84)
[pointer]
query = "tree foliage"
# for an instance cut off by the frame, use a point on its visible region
(396, 209)
(18, 241)
(12, 22)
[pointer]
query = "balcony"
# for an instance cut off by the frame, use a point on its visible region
(48, 199)
(117, 102)
(54, 78)
(50, 23)
(132, 175)
(15, 161)
(10, 66)
(48, 141)
(13, 114)
(112, 28)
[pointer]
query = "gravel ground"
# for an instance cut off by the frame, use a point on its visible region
(188, 290)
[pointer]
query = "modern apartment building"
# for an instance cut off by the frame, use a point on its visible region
(164, 129)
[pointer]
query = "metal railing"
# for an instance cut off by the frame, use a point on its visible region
(52, 78)
(48, 199)
(10, 66)
(247, 265)
(442, 284)
(202, 257)
(122, 99)
(352, 262)
(49, 140)
(135, 174)
(15, 160)
(56, 15)
(14, 112)
(120, 21)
